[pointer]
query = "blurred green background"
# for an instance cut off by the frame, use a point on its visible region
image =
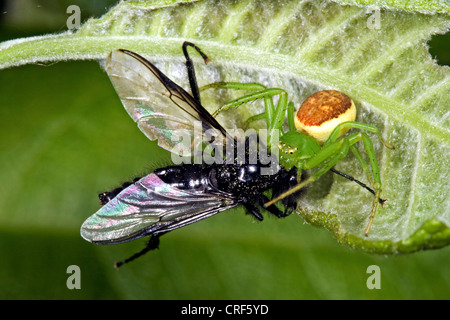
(65, 137)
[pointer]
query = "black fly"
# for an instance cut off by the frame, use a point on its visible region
(175, 196)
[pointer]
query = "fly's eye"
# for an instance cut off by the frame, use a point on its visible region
(213, 178)
(321, 112)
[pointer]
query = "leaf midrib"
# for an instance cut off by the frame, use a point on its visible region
(384, 104)
(268, 62)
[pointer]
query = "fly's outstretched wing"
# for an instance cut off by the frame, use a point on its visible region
(162, 110)
(151, 206)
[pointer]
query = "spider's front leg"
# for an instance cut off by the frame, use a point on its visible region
(328, 156)
(274, 116)
(345, 126)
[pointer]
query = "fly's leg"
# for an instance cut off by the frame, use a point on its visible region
(346, 176)
(153, 243)
(254, 211)
(277, 212)
(190, 69)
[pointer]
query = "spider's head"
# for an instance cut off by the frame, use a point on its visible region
(321, 112)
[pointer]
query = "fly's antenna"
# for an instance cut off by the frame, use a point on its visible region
(191, 70)
(346, 176)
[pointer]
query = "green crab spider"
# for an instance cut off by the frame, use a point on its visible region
(314, 138)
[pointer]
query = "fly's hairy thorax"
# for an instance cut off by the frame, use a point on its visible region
(244, 181)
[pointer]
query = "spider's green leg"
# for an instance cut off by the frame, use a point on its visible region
(274, 116)
(375, 172)
(276, 122)
(363, 163)
(291, 112)
(248, 98)
(331, 155)
(256, 117)
(241, 86)
(351, 124)
(368, 146)
(234, 86)
(374, 179)
(269, 110)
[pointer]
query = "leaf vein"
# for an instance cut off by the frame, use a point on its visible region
(412, 196)
(318, 40)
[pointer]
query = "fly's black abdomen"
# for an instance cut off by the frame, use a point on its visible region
(187, 176)
(243, 182)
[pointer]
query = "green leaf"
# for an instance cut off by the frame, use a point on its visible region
(66, 137)
(376, 56)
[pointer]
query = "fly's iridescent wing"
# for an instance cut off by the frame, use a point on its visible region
(160, 107)
(151, 207)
